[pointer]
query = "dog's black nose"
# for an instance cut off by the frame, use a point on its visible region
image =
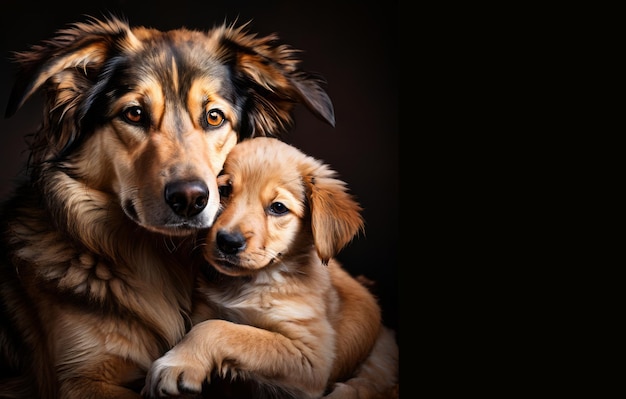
(187, 198)
(230, 243)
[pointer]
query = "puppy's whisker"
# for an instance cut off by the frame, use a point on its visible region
(268, 254)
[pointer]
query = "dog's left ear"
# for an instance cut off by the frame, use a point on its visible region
(65, 70)
(335, 215)
(267, 75)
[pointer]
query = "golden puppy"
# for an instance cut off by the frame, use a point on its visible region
(280, 311)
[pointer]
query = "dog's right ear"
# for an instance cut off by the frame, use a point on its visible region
(67, 63)
(267, 76)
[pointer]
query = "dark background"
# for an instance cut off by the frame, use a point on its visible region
(352, 44)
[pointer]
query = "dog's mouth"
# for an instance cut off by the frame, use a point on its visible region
(168, 224)
(179, 229)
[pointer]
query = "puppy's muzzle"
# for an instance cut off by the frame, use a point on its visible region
(187, 198)
(230, 243)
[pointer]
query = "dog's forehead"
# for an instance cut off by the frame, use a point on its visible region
(187, 55)
(178, 66)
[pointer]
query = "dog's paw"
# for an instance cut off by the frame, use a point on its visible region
(174, 376)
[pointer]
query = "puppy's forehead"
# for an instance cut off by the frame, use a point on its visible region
(262, 160)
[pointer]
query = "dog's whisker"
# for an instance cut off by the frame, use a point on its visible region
(198, 246)
(169, 244)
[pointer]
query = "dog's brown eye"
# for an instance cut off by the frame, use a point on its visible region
(278, 208)
(215, 117)
(134, 114)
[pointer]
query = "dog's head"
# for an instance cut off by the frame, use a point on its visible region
(278, 203)
(148, 117)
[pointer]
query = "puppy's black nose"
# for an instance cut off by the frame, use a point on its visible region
(187, 198)
(230, 243)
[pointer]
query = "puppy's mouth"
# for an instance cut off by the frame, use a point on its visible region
(229, 268)
(231, 264)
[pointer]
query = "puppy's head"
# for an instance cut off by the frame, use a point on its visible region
(149, 116)
(278, 204)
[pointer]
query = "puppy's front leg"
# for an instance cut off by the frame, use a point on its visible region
(239, 350)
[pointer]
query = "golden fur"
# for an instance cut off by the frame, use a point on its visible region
(97, 266)
(280, 310)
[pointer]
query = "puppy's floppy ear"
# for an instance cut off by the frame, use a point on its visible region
(266, 73)
(335, 215)
(67, 67)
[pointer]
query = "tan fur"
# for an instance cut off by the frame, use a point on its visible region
(282, 311)
(97, 259)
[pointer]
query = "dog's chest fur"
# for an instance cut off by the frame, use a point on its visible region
(107, 291)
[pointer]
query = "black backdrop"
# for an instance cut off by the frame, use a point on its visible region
(352, 44)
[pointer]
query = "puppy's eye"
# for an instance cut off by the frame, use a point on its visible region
(134, 115)
(225, 190)
(278, 208)
(215, 118)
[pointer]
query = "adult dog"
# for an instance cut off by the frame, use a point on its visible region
(97, 262)
(280, 310)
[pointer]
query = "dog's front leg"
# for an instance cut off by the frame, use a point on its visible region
(236, 350)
